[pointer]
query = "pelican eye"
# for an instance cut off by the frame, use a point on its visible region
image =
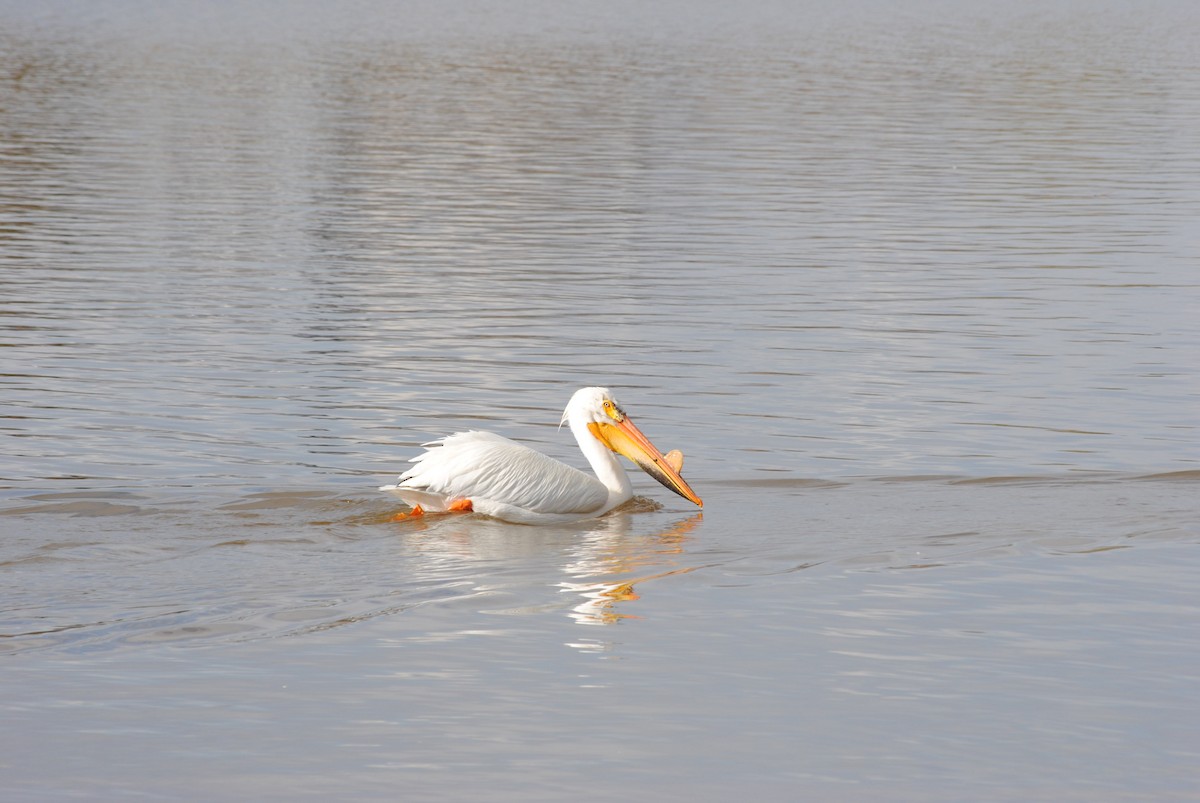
(613, 411)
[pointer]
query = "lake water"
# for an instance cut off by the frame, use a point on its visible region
(915, 288)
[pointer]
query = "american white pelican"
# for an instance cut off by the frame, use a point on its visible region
(492, 475)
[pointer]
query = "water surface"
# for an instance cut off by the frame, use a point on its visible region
(915, 291)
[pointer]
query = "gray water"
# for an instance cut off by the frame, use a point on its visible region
(914, 288)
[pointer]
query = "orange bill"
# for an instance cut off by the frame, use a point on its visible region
(626, 439)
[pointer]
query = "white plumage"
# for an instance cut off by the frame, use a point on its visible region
(501, 478)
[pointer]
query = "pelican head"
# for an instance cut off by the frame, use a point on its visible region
(598, 410)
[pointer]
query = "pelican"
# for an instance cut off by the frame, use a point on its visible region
(489, 474)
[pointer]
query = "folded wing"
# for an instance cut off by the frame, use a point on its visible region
(484, 466)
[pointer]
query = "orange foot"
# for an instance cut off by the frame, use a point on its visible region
(460, 506)
(417, 510)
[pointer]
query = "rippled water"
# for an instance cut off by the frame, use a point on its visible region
(915, 290)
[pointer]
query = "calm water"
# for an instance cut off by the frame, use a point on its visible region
(917, 292)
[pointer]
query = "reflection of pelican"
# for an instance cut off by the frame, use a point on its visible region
(492, 475)
(600, 598)
(602, 566)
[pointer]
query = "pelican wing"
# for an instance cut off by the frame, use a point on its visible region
(484, 466)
